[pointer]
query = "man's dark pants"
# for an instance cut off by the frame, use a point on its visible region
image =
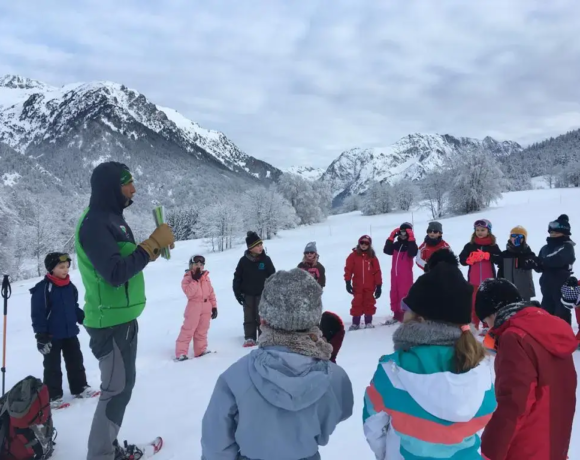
(116, 349)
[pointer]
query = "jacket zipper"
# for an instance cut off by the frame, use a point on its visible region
(397, 264)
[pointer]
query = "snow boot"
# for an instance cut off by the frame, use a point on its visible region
(87, 392)
(248, 343)
(354, 327)
(369, 322)
(181, 358)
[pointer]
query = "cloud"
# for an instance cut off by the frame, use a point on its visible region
(297, 82)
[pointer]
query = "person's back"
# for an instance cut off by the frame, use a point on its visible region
(287, 405)
(535, 377)
(284, 400)
(429, 398)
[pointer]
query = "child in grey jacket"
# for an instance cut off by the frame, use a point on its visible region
(283, 400)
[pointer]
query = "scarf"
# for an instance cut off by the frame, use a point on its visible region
(433, 241)
(522, 249)
(414, 333)
(487, 241)
(60, 282)
(557, 241)
(508, 311)
(307, 343)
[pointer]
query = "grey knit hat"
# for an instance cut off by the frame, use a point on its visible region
(435, 226)
(311, 247)
(291, 301)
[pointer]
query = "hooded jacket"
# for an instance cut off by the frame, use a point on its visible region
(416, 407)
(273, 404)
(535, 386)
(251, 274)
(109, 260)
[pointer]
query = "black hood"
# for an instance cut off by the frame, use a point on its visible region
(106, 192)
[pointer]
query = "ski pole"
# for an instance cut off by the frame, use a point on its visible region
(6, 293)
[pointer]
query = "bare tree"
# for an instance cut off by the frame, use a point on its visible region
(435, 189)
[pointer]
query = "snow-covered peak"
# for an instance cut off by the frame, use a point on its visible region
(18, 82)
(306, 172)
(411, 157)
(32, 112)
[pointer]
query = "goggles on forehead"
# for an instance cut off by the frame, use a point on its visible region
(64, 258)
(197, 260)
(481, 223)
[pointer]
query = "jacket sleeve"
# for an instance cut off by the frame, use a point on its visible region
(218, 426)
(412, 249)
(562, 256)
(376, 423)
(102, 250)
(322, 278)
(79, 311)
(465, 254)
(377, 274)
(514, 385)
(38, 310)
(212, 297)
(388, 249)
(419, 258)
(190, 287)
(530, 262)
(238, 277)
(270, 269)
(349, 267)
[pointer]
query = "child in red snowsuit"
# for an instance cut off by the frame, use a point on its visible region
(432, 243)
(364, 281)
(479, 254)
(332, 329)
(403, 251)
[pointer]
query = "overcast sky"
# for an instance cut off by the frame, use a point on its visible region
(300, 81)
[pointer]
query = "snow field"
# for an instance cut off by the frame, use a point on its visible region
(170, 398)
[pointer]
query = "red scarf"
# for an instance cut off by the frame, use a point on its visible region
(60, 282)
(487, 241)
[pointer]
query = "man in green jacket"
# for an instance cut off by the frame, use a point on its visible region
(111, 266)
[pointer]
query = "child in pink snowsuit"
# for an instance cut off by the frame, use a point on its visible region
(403, 251)
(200, 310)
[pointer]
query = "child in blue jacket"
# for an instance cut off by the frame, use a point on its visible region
(55, 316)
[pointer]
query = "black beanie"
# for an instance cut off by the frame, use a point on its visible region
(439, 256)
(54, 258)
(561, 225)
(442, 294)
(252, 240)
(494, 294)
(406, 226)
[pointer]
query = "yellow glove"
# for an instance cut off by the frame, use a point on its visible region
(161, 238)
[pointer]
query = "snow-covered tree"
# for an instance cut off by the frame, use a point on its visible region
(477, 182)
(8, 235)
(184, 222)
(435, 189)
(407, 193)
(352, 203)
(221, 223)
(267, 212)
(311, 200)
(45, 235)
(378, 199)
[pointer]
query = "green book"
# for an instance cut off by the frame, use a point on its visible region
(159, 216)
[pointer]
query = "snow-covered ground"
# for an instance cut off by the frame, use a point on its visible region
(170, 398)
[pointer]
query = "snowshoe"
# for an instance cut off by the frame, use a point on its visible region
(369, 326)
(206, 352)
(88, 392)
(248, 343)
(354, 327)
(390, 322)
(181, 358)
(138, 451)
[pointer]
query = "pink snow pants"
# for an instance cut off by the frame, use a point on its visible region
(401, 282)
(195, 326)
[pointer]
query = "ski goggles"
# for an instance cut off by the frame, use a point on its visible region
(482, 223)
(197, 260)
(64, 258)
(518, 239)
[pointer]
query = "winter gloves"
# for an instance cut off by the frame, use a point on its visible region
(571, 293)
(396, 232)
(214, 313)
(43, 343)
(349, 287)
(162, 237)
(378, 291)
(478, 256)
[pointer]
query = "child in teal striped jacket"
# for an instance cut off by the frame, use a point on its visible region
(431, 397)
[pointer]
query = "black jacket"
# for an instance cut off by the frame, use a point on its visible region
(516, 264)
(104, 227)
(555, 260)
(470, 247)
(410, 247)
(251, 274)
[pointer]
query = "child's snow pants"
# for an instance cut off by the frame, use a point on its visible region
(195, 326)
(400, 285)
(363, 302)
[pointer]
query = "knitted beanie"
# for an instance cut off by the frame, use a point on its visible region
(365, 238)
(406, 226)
(435, 227)
(54, 258)
(311, 247)
(494, 294)
(561, 225)
(252, 240)
(291, 301)
(442, 294)
(519, 230)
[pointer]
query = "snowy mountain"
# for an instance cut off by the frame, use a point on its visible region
(306, 172)
(409, 158)
(69, 130)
